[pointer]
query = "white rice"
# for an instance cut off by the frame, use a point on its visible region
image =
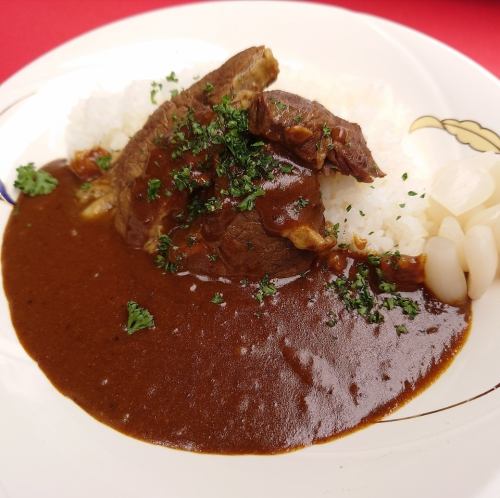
(382, 213)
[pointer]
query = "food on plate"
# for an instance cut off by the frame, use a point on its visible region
(191, 289)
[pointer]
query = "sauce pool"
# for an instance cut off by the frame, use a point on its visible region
(239, 377)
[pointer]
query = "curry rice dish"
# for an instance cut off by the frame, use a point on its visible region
(187, 291)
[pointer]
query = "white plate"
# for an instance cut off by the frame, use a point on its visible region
(50, 448)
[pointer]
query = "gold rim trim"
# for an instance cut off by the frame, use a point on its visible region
(467, 132)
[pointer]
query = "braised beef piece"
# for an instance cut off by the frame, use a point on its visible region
(284, 228)
(240, 77)
(313, 133)
(229, 242)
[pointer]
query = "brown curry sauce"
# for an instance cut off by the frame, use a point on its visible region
(240, 377)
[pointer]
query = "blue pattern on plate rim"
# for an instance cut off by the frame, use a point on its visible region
(4, 195)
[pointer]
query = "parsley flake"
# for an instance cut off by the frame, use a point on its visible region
(218, 298)
(301, 203)
(138, 318)
(154, 186)
(155, 88)
(34, 182)
(401, 329)
(104, 162)
(172, 77)
(266, 289)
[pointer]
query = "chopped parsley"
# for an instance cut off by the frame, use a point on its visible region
(154, 186)
(104, 162)
(213, 257)
(85, 186)
(174, 93)
(209, 88)
(387, 287)
(373, 259)
(182, 179)
(217, 298)
(155, 88)
(266, 289)
(348, 208)
(332, 230)
(279, 105)
(404, 176)
(357, 295)
(162, 251)
(326, 130)
(402, 205)
(411, 193)
(34, 182)
(242, 160)
(401, 329)
(361, 213)
(138, 318)
(286, 168)
(172, 77)
(301, 203)
(248, 203)
(213, 204)
(297, 119)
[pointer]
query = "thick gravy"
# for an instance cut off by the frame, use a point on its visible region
(238, 377)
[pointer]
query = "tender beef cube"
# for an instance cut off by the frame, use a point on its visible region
(313, 133)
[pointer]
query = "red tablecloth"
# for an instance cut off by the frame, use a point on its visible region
(28, 28)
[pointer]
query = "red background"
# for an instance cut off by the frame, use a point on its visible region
(28, 28)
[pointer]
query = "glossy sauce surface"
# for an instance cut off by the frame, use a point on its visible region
(233, 378)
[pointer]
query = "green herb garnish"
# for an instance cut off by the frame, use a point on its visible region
(266, 289)
(401, 329)
(209, 88)
(172, 77)
(34, 182)
(404, 176)
(85, 186)
(154, 186)
(138, 318)
(104, 162)
(301, 203)
(218, 298)
(155, 88)
(332, 230)
(387, 287)
(279, 105)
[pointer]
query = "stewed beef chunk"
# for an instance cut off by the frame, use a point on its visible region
(312, 133)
